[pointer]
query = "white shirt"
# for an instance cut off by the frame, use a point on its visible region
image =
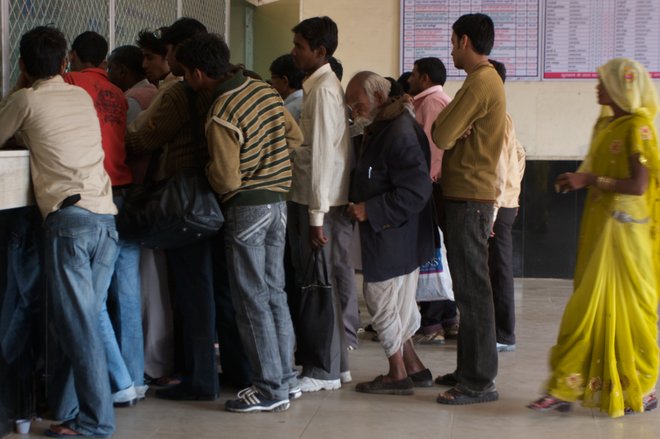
(58, 123)
(321, 165)
(510, 168)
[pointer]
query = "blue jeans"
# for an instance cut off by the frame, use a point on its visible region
(254, 243)
(467, 229)
(125, 305)
(81, 249)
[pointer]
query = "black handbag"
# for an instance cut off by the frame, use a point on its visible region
(171, 213)
(316, 315)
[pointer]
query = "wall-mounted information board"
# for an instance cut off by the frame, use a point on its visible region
(539, 39)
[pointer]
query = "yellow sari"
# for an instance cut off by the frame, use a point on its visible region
(607, 351)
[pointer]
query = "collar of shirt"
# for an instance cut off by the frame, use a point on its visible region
(235, 81)
(144, 83)
(298, 94)
(54, 79)
(169, 78)
(428, 91)
(312, 79)
(96, 71)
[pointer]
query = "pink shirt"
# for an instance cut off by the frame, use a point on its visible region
(428, 104)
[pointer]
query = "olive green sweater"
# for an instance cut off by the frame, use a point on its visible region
(469, 165)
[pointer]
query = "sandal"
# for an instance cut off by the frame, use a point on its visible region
(61, 430)
(448, 379)
(434, 338)
(650, 402)
(454, 396)
(547, 403)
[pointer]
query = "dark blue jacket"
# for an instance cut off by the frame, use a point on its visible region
(392, 176)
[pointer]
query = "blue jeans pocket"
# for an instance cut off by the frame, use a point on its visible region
(249, 224)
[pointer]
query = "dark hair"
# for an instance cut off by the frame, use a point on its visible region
(206, 52)
(284, 66)
(395, 88)
(148, 40)
(480, 30)
(319, 31)
(181, 30)
(433, 68)
(130, 57)
(42, 51)
(403, 81)
(336, 67)
(90, 47)
(500, 68)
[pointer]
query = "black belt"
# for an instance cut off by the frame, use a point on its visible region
(70, 201)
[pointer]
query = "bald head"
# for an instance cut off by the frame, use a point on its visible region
(365, 94)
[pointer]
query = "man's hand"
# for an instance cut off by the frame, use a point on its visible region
(357, 211)
(466, 133)
(316, 237)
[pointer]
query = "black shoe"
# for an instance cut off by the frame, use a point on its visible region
(378, 386)
(181, 393)
(423, 378)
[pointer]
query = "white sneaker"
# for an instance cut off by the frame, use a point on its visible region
(141, 391)
(125, 398)
(345, 377)
(308, 384)
(501, 347)
(295, 392)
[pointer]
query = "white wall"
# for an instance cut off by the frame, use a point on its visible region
(553, 119)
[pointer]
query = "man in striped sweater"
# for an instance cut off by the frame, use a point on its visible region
(249, 133)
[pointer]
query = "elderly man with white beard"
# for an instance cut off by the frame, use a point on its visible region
(390, 196)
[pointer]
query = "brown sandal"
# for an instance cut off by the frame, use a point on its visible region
(547, 403)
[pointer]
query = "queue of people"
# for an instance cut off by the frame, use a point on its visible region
(297, 164)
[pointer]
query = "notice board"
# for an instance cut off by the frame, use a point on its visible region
(539, 39)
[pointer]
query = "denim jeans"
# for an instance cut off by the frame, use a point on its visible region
(80, 252)
(467, 229)
(254, 243)
(125, 306)
(233, 359)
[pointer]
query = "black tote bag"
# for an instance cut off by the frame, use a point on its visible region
(316, 315)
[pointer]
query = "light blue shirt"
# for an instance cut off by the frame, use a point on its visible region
(293, 103)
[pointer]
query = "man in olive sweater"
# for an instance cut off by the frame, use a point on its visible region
(471, 131)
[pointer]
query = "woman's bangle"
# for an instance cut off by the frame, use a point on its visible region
(605, 183)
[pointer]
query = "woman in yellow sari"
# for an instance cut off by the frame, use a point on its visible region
(607, 352)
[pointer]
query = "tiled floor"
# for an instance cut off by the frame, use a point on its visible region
(346, 414)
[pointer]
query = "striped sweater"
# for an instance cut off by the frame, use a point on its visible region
(248, 130)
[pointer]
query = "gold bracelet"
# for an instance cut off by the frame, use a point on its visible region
(605, 183)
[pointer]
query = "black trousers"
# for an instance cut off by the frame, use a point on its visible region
(500, 264)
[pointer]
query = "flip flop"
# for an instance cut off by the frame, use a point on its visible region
(61, 430)
(454, 396)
